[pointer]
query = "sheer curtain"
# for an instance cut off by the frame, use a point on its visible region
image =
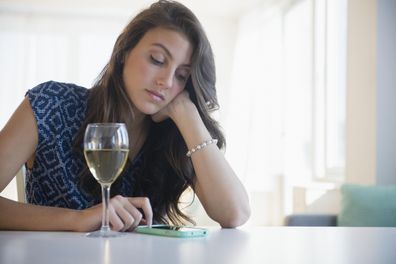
(255, 124)
(40, 46)
(286, 120)
(37, 48)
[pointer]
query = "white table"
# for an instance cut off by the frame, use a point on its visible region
(306, 245)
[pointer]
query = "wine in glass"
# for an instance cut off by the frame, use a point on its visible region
(106, 147)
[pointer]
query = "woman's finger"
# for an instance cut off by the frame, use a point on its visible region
(124, 213)
(115, 221)
(134, 214)
(144, 204)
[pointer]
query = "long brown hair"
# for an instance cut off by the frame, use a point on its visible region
(166, 171)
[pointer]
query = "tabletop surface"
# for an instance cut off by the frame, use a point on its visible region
(244, 245)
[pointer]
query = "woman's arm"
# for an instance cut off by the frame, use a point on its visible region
(217, 187)
(124, 216)
(18, 143)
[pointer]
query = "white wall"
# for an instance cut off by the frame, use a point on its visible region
(386, 92)
(361, 92)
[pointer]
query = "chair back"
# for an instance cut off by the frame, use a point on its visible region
(20, 182)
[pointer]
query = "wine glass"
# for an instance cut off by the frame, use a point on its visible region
(106, 148)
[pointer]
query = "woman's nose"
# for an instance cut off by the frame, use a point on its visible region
(165, 80)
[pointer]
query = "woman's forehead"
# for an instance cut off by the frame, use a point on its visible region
(173, 42)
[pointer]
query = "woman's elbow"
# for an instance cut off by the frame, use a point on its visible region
(237, 219)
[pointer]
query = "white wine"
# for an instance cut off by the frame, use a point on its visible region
(106, 149)
(106, 164)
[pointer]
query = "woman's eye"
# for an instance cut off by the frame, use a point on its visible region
(156, 61)
(182, 77)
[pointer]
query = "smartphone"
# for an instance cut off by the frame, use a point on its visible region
(172, 231)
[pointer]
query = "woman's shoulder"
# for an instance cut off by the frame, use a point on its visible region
(57, 89)
(57, 102)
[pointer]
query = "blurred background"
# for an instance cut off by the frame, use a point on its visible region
(305, 86)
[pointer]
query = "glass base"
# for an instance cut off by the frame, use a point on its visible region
(105, 233)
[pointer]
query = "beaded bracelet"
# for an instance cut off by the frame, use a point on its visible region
(201, 146)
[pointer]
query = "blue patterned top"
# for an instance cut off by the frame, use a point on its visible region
(59, 109)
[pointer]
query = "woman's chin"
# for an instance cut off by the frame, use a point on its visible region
(148, 109)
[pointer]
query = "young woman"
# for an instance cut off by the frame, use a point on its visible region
(160, 82)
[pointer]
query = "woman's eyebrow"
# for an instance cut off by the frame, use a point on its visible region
(164, 48)
(169, 53)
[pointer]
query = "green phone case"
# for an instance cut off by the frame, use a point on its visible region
(172, 231)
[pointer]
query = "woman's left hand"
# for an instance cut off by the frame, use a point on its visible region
(180, 105)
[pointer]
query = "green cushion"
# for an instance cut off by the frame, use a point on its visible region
(367, 205)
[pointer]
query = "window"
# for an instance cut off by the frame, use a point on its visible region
(287, 127)
(329, 88)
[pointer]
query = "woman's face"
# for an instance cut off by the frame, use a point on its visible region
(156, 69)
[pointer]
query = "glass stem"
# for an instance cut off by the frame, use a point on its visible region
(105, 210)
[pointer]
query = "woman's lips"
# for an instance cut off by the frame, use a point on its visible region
(155, 96)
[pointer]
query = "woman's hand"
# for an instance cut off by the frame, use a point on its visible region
(123, 214)
(180, 105)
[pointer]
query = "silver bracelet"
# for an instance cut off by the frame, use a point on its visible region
(201, 146)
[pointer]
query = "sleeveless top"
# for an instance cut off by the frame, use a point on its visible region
(59, 110)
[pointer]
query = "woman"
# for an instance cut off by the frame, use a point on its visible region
(160, 82)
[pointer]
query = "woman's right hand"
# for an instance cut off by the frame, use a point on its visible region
(124, 214)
